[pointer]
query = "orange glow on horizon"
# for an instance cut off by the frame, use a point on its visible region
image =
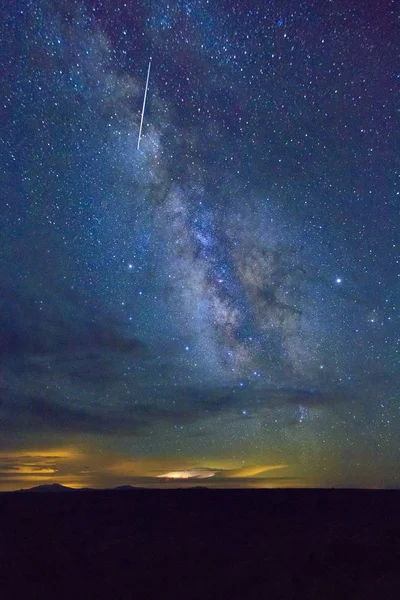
(77, 468)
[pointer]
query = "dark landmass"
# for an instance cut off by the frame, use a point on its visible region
(277, 544)
(52, 487)
(125, 488)
(57, 487)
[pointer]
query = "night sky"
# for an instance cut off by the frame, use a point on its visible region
(221, 304)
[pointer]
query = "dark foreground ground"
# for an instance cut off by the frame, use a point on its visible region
(298, 544)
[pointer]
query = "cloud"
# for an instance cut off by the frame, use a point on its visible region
(25, 412)
(39, 414)
(193, 473)
(252, 471)
(67, 326)
(39, 465)
(86, 467)
(207, 472)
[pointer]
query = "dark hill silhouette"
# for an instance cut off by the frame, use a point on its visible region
(52, 487)
(57, 487)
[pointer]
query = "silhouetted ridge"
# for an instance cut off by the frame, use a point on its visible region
(52, 487)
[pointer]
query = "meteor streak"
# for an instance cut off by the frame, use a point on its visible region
(144, 105)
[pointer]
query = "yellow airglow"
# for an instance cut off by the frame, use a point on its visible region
(252, 471)
(78, 466)
(49, 453)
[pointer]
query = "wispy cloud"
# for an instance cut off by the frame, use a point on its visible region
(93, 469)
(193, 473)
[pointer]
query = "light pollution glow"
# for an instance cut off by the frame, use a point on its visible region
(77, 468)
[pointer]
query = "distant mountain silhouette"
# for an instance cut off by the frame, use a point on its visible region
(57, 487)
(52, 487)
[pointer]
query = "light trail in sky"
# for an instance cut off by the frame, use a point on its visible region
(144, 105)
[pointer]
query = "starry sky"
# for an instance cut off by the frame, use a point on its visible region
(220, 306)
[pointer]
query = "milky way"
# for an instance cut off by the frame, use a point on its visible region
(229, 290)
